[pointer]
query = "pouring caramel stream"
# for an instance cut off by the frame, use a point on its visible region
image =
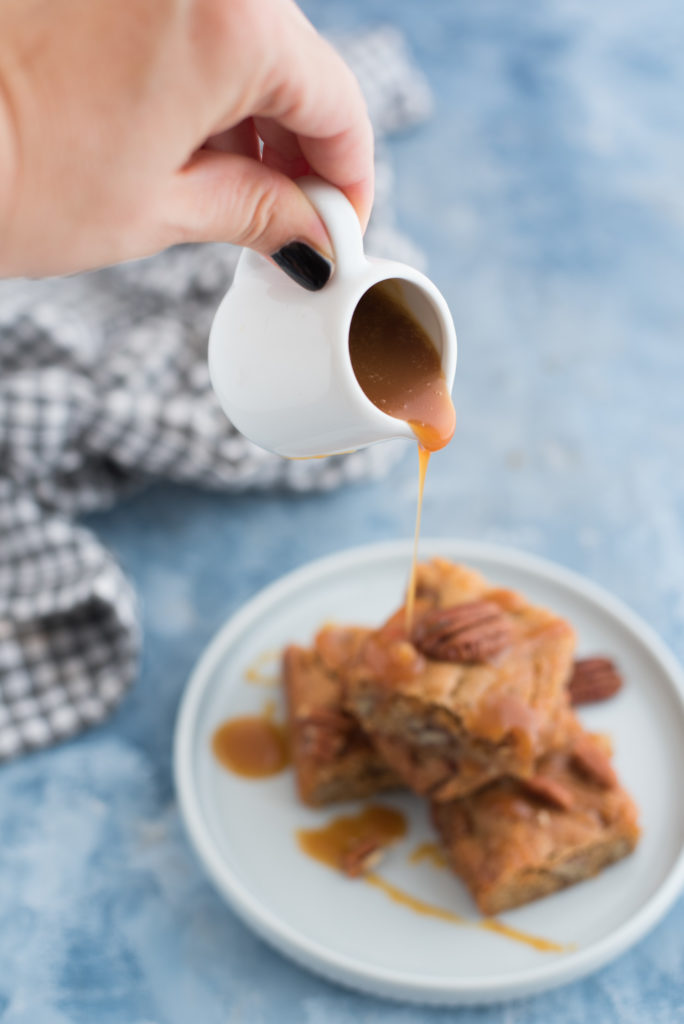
(400, 370)
(423, 460)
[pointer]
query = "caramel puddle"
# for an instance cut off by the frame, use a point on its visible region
(384, 825)
(253, 746)
(330, 843)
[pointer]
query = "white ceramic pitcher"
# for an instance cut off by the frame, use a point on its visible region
(279, 355)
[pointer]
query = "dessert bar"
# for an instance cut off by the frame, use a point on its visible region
(476, 692)
(519, 839)
(333, 759)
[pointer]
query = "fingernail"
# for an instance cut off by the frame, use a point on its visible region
(304, 265)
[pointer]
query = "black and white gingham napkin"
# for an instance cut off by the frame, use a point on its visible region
(104, 384)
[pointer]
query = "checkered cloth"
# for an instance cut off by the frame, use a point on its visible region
(104, 385)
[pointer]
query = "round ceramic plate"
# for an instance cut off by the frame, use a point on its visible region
(245, 831)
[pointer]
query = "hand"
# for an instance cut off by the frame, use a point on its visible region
(126, 127)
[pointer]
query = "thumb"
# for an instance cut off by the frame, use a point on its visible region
(221, 197)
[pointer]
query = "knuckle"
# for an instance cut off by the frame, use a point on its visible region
(261, 210)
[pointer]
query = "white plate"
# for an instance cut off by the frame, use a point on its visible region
(244, 831)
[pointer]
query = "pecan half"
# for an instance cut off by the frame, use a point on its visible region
(363, 855)
(593, 679)
(473, 632)
(593, 763)
(549, 791)
(324, 733)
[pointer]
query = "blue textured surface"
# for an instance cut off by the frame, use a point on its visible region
(547, 192)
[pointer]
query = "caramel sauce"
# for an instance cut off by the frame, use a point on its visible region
(384, 825)
(398, 895)
(505, 713)
(423, 460)
(400, 371)
(390, 656)
(398, 366)
(489, 924)
(431, 852)
(330, 843)
(254, 746)
(492, 924)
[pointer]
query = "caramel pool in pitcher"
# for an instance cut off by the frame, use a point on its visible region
(399, 368)
(400, 371)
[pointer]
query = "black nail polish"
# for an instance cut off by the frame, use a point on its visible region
(304, 265)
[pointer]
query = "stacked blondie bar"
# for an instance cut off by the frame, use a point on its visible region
(474, 712)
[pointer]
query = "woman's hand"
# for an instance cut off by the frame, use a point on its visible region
(126, 127)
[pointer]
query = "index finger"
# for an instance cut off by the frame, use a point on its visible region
(318, 99)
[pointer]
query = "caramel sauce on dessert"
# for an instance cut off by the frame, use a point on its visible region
(400, 371)
(390, 656)
(254, 746)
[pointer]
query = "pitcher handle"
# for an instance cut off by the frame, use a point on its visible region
(341, 221)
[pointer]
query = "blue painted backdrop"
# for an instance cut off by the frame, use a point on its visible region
(547, 192)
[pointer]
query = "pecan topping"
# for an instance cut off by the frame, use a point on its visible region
(593, 679)
(325, 733)
(551, 792)
(593, 763)
(473, 632)
(361, 856)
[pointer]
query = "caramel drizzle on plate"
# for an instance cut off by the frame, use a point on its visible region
(385, 825)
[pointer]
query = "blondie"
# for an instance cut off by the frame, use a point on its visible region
(475, 693)
(333, 759)
(519, 839)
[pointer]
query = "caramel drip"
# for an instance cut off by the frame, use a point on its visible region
(330, 843)
(431, 852)
(254, 746)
